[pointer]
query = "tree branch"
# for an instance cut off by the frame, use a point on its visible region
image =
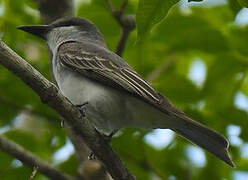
(51, 96)
(127, 23)
(82, 151)
(30, 159)
(88, 169)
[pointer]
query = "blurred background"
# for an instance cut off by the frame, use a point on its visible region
(197, 57)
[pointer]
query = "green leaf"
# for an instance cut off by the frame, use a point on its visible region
(234, 6)
(30, 142)
(237, 117)
(221, 81)
(94, 11)
(69, 166)
(169, 83)
(6, 160)
(22, 172)
(150, 13)
(244, 86)
(188, 34)
(134, 155)
(238, 37)
(243, 3)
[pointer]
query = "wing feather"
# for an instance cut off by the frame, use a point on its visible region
(104, 69)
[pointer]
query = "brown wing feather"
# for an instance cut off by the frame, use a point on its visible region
(105, 71)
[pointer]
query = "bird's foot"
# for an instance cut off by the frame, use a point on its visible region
(82, 108)
(92, 156)
(107, 138)
(62, 123)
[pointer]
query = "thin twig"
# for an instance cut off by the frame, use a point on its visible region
(156, 73)
(110, 6)
(122, 42)
(124, 5)
(127, 23)
(30, 159)
(34, 172)
(51, 96)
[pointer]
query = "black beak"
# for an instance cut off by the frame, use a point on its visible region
(37, 30)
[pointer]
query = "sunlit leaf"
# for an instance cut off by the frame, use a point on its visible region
(150, 13)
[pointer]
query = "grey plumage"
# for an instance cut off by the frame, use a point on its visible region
(85, 70)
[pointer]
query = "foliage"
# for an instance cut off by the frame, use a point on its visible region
(190, 33)
(150, 13)
(243, 3)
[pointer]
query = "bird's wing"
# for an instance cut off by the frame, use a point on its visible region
(107, 68)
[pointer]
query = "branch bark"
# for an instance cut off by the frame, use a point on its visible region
(30, 159)
(51, 96)
(88, 169)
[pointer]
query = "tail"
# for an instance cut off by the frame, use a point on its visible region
(203, 137)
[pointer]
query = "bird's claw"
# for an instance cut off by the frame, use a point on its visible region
(82, 108)
(92, 156)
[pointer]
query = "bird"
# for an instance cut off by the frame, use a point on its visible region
(111, 93)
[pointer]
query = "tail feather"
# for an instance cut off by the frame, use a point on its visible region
(204, 137)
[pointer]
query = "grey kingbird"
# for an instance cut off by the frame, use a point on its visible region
(113, 94)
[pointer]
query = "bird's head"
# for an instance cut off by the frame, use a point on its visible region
(65, 29)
